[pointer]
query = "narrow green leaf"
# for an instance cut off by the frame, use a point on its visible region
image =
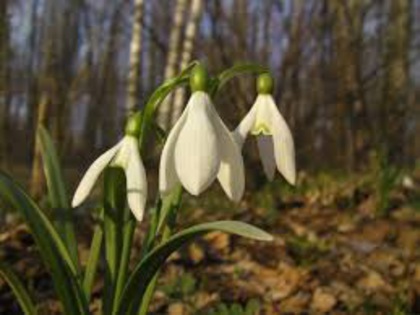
(237, 70)
(50, 245)
(57, 192)
(22, 295)
(147, 268)
(93, 259)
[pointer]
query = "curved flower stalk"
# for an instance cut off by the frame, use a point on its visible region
(274, 139)
(200, 148)
(124, 154)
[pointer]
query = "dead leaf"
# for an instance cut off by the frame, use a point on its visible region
(323, 301)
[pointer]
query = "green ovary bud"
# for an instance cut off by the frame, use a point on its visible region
(133, 125)
(199, 78)
(265, 84)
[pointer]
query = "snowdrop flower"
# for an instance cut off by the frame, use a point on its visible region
(274, 139)
(124, 154)
(200, 148)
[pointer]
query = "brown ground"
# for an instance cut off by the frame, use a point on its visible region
(332, 254)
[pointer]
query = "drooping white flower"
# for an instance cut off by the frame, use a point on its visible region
(274, 139)
(124, 154)
(199, 149)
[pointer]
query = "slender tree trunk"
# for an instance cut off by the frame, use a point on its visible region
(187, 48)
(346, 76)
(397, 78)
(164, 114)
(133, 80)
(292, 63)
(99, 82)
(32, 92)
(4, 81)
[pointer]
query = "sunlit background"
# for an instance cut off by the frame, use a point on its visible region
(347, 72)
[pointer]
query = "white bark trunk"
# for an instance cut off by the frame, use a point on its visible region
(164, 114)
(133, 81)
(190, 32)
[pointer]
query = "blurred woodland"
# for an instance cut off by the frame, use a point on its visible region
(347, 72)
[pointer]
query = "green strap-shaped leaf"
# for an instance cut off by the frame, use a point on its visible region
(50, 245)
(147, 268)
(57, 192)
(22, 295)
(237, 70)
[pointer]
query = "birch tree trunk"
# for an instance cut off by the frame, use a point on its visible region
(171, 61)
(195, 13)
(133, 80)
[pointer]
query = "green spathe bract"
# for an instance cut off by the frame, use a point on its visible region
(133, 126)
(125, 291)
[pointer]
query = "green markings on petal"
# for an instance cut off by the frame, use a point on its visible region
(260, 128)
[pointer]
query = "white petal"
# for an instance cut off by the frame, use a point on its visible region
(266, 150)
(197, 157)
(167, 173)
(284, 150)
(92, 174)
(136, 180)
(123, 154)
(231, 172)
(242, 130)
(262, 115)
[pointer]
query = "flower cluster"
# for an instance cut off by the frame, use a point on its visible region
(200, 148)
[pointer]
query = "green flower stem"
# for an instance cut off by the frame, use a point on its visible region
(240, 69)
(151, 233)
(158, 96)
(128, 233)
(114, 211)
(169, 224)
(118, 239)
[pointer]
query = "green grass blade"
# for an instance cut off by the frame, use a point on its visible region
(57, 192)
(22, 295)
(50, 245)
(147, 268)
